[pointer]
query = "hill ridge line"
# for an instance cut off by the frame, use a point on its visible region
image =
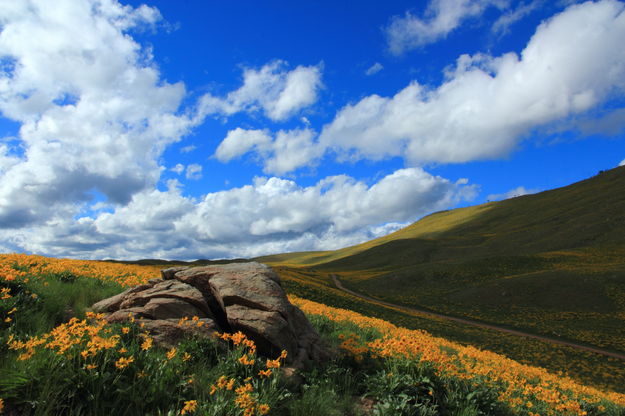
(595, 350)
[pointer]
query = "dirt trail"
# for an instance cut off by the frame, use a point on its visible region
(340, 286)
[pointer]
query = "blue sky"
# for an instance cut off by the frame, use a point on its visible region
(198, 129)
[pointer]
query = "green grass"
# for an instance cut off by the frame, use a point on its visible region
(63, 384)
(68, 383)
(591, 369)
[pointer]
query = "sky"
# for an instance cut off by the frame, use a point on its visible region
(208, 129)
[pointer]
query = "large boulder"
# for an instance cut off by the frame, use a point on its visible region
(246, 297)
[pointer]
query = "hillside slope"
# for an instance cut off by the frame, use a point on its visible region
(551, 263)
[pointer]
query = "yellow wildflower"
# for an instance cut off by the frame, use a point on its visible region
(230, 384)
(147, 343)
(222, 381)
(263, 409)
(264, 373)
(246, 361)
(189, 407)
(244, 389)
(123, 362)
(172, 353)
(273, 363)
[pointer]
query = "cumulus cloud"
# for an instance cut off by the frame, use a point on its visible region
(240, 141)
(275, 90)
(374, 69)
(441, 17)
(281, 154)
(94, 113)
(271, 215)
(95, 117)
(622, 163)
(488, 104)
(512, 193)
(194, 171)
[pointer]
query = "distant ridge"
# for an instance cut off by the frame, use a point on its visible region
(160, 262)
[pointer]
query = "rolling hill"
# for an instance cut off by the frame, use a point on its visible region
(551, 263)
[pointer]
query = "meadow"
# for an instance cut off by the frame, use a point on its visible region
(58, 358)
(605, 373)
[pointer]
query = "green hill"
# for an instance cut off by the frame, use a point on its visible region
(550, 263)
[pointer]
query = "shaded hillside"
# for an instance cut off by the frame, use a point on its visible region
(551, 263)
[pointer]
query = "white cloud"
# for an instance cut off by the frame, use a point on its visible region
(512, 193)
(290, 150)
(374, 69)
(622, 163)
(179, 168)
(93, 111)
(284, 153)
(441, 17)
(194, 171)
(275, 90)
(487, 105)
(503, 23)
(240, 141)
(272, 215)
(188, 149)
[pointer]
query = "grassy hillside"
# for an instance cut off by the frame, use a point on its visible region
(551, 263)
(57, 358)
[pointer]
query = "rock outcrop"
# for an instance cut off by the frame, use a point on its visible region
(246, 297)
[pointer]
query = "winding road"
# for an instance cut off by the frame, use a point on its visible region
(596, 350)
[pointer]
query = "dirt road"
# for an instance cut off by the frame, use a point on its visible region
(340, 286)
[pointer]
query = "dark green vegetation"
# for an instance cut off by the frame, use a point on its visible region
(552, 263)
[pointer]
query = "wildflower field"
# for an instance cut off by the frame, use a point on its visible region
(57, 358)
